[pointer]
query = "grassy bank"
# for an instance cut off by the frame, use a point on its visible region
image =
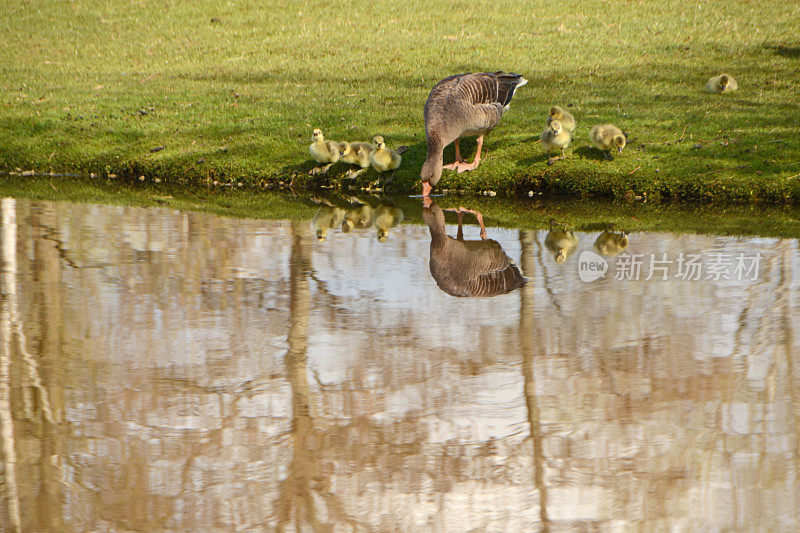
(582, 215)
(208, 91)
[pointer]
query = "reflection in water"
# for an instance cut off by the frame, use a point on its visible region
(468, 268)
(561, 243)
(199, 372)
(386, 218)
(358, 217)
(327, 217)
(610, 243)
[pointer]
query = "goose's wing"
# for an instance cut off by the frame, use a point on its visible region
(475, 268)
(478, 99)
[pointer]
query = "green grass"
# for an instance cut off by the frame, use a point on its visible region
(230, 91)
(582, 215)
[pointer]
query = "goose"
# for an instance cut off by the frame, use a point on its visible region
(560, 242)
(467, 268)
(463, 105)
(326, 217)
(357, 153)
(607, 137)
(564, 117)
(385, 218)
(555, 137)
(323, 151)
(609, 243)
(382, 158)
(724, 83)
(358, 217)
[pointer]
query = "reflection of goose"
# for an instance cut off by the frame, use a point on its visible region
(462, 105)
(386, 217)
(468, 268)
(610, 243)
(327, 217)
(561, 242)
(358, 218)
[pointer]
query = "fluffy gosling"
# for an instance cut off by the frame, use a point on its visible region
(609, 243)
(561, 243)
(555, 137)
(724, 83)
(386, 217)
(323, 151)
(359, 218)
(326, 217)
(355, 154)
(382, 158)
(564, 117)
(607, 137)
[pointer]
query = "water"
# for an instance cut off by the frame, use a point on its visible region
(163, 370)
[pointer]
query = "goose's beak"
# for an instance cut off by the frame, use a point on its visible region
(426, 188)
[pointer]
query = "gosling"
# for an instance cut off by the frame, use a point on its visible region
(355, 154)
(555, 137)
(609, 243)
(724, 83)
(382, 158)
(386, 217)
(561, 243)
(564, 117)
(607, 137)
(323, 151)
(327, 217)
(359, 218)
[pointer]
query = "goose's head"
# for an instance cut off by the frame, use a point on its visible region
(619, 142)
(560, 256)
(378, 142)
(382, 235)
(556, 112)
(317, 135)
(431, 170)
(724, 80)
(555, 126)
(322, 235)
(347, 225)
(344, 148)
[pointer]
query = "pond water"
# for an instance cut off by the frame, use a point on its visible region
(167, 370)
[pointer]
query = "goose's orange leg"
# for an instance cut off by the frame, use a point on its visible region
(455, 165)
(463, 167)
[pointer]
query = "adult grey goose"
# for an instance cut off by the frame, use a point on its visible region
(468, 268)
(462, 105)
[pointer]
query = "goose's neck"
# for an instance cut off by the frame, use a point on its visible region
(435, 148)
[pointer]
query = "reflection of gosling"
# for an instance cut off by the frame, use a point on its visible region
(610, 243)
(724, 83)
(387, 217)
(355, 154)
(607, 137)
(561, 242)
(323, 151)
(357, 218)
(327, 217)
(555, 137)
(564, 117)
(383, 158)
